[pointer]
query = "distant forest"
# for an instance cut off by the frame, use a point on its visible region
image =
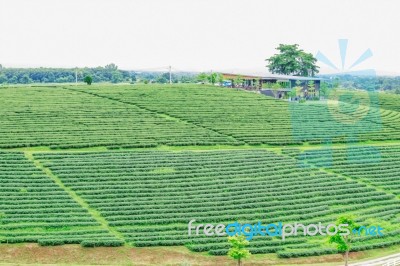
(369, 83)
(111, 73)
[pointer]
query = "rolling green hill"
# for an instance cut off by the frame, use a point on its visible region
(132, 165)
(150, 115)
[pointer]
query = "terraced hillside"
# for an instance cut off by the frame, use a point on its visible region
(150, 196)
(388, 101)
(150, 116)
(61, 118)
(255, 119)
(33, 208)
(375, 165)
(137, 185)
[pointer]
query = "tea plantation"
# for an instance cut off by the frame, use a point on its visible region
(106, 165)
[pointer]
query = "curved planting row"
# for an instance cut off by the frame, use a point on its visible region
(35, 209)
(377, 165)
(255, 119)
(61, 118)
(150, 196)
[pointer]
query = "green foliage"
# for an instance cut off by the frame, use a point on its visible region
(212, 116)
(102, 243)
(299, 91)
(139, 194)
(369, 83)
(342, 242)
(50, 242)
(336, 83)
(292, 93)
(109, 73)
(116, 77)
(3, 78)
(324, 89)
(238, 249)
(276, 86)
(292, 61)
(25, 79)
(88, 80)
(112, 67)
(202, 77)
(47, 214)
(220, 78)
(59, 75)
(212, 78)
(305, 252)
(113, 182)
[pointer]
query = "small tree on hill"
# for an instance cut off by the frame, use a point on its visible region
(324, 89)
(343, 241)
(212, 78)
(202, 77)
(88, 80)
(238, 249)
(220, 78)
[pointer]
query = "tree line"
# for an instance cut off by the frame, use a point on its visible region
(111, 73)
(369, 83)
(108, 73)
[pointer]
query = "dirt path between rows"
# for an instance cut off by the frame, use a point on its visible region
(33, 254)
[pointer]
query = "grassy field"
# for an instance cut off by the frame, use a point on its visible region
(132, 165)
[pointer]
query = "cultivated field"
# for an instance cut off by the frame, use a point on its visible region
(132, 165)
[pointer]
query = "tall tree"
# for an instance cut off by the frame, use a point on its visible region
(238, 249)
(212, 78)
(292, 61)
(343, 242)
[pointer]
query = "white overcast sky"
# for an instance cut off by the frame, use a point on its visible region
(194, 34)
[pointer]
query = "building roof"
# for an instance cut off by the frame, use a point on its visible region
(287, 77)
(269, 76)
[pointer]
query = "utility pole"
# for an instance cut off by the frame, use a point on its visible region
(76, 76)
(170, 75)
